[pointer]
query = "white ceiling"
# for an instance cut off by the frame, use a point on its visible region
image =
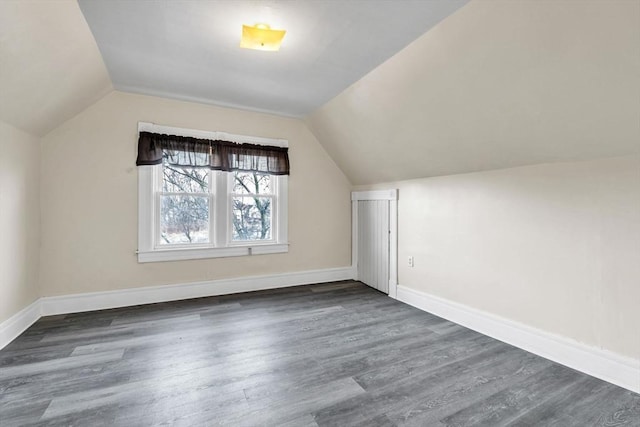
(190, 50)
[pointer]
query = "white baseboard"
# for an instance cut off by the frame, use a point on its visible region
(608, 366)
(147, 295)
(11, 328)
(76, 303)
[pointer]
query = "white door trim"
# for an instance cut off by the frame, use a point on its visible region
(375, 195)
(392, 197)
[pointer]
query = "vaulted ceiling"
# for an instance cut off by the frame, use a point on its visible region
(190, 50)
(59, 56)
(393, 89)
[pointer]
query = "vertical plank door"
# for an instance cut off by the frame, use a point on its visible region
(373, 244)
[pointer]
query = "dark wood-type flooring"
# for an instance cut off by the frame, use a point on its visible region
(339, 354)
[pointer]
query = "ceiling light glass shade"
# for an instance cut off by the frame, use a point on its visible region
(261, 37)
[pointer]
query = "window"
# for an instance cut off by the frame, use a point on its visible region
(184, 201)
(187, 210)
(252, 201)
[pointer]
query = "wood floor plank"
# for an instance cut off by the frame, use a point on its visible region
(18, 414)
(336, 354)
(425, 391)
(274, 409)
(503, 408)
(49, 385)
(61, 364)
(562, 408)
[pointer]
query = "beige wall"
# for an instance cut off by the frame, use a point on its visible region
(19, 219)
(89, 198)
(553, 246)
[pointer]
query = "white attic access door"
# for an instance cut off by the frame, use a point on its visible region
(375, 239)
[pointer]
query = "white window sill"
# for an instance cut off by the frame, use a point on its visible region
(182, 254)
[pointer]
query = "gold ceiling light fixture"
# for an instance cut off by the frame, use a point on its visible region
(261, 37)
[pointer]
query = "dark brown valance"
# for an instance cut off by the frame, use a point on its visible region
(214, 154)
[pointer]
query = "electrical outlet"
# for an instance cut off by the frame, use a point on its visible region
(410, 261)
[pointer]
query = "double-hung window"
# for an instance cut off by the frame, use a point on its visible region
(184, 200)
(209, 194)
(253, 205)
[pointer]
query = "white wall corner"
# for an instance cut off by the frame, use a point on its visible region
(354, 272)
(11, 328)
(608, 366)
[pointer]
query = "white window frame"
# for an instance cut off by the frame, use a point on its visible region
(274, 196)
(221, 230)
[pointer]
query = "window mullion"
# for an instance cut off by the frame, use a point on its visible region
(282, 209)
(220, 208)
(158, 181)
(212, 208)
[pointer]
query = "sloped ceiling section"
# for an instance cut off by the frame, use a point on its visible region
(497, 84)
(51, 68)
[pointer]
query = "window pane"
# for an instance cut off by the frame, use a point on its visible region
(184, 219)
(184, 180)
(251, 183)
(252, 218)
